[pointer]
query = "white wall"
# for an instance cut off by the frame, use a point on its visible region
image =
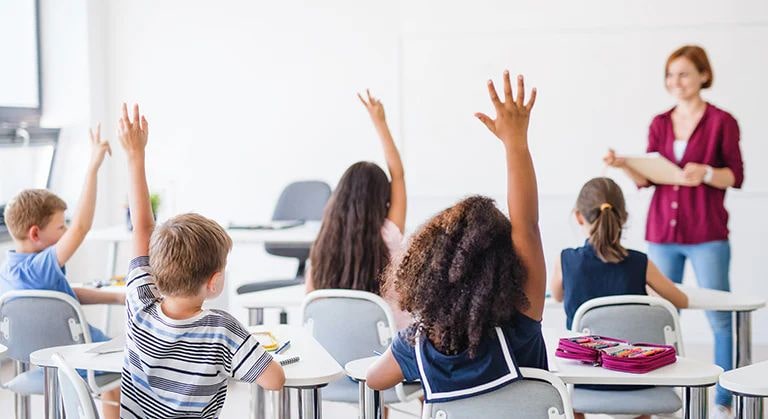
(243, 97)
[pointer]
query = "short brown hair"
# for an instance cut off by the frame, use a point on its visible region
(601, 203)
(185, 251)
(31, 207)
(698, 57)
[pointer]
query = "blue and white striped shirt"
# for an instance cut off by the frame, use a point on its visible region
(179, 368)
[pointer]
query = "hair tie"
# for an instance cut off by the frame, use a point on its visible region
(605, 206)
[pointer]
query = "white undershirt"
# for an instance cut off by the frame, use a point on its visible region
(679, 148)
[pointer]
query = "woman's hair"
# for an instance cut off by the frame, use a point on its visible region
(698, 57)
(460, 276)
(349, 251)
(601, 203)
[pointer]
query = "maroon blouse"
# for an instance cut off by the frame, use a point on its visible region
(692, 215)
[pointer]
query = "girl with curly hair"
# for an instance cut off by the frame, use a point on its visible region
(474, 281)
(363, 222)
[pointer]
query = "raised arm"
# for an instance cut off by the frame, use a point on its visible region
(83, 218)
(397, 197)
(511, 127)
(133, 138)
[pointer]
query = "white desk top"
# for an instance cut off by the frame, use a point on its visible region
(303, 234)
(358, 368)
(316, 366)
(291, 296)
(706, 299)
(749, 380)
(3, 350)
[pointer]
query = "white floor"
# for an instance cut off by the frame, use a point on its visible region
(237, 398)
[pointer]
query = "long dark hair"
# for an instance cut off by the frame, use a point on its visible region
(460, 276)
(601, 203)
(349, 251)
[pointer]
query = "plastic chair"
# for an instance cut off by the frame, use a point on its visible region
(636, 318)
(35, 319)
(352, 325)
(539, 395)
(304, 201)
(76, 398)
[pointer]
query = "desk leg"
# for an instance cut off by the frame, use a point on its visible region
(258, 407)
(695, 403)
(747, 407)
(361, 400)
(310, 403)
(52, 394)
(373, 406)
(281, 404)
(743, 352)
(255, 316)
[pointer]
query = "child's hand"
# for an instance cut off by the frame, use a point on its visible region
(99, 147)
(512, 116)
(374, 107)
(133, 134)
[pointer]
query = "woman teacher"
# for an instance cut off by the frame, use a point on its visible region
(691, 222)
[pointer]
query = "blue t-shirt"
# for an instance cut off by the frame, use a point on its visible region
(39, 271)
(585, 277)
(451, 377)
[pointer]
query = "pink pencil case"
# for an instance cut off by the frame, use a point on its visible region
(616, 354)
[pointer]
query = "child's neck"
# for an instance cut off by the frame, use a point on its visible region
(182, 308)
(26, 246)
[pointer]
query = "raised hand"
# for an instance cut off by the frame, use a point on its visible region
(374, 107)
(99, 147)
(133, 133)
(512, 115)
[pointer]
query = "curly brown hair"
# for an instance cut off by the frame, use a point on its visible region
(460, 276)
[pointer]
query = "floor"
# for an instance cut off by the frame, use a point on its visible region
(238, 396)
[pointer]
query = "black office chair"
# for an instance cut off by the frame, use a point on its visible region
(303, 201)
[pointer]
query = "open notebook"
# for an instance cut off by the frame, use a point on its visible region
(657, 169)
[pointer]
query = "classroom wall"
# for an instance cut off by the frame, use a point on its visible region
(244, 97)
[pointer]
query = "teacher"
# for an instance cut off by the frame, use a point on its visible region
(691, 222)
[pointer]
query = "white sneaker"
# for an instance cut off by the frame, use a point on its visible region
(721, 412)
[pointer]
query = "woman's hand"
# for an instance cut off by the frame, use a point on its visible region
(611, 160)
(694, 173)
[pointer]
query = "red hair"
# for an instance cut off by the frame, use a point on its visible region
(697, 56)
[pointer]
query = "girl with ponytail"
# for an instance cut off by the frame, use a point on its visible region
(603, 267)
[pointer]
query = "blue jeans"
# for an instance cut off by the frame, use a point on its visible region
(710, 262)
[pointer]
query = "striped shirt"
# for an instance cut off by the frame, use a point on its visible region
(179, 368)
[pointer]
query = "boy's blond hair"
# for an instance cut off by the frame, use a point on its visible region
(185, 251)
(31, 207)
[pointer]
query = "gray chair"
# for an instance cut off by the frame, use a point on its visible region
(76, 398)
(32, 320)
(636, 318)
(351, 325)
(539, 395)
(303, 201)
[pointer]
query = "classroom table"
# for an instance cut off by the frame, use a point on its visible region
(301, 235)
(693, 375)
(315, 369)
(3, 350)
(741, 305)
(749, 387)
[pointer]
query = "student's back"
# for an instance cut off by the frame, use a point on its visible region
(586, 276)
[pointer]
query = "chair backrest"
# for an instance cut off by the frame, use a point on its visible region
(34, 319)
(304, 200)
(349, 324)
(76, 398)
(539, 395)
(636, 318)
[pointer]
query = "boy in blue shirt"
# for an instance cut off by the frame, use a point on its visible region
(43, 244)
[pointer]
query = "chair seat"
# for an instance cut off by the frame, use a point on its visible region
(33, 382)
(269, 285)
(640, 402)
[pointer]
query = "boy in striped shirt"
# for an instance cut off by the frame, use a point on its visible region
(178, 355)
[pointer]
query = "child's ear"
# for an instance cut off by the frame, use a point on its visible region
(215, 283)
(33, 234)
(579, 217)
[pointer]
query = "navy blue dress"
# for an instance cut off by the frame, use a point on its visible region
(496, 363)
(585, 277)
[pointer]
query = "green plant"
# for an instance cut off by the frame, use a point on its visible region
(154, 202)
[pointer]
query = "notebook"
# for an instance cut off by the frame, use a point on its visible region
(286, 359)
(657, 169)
